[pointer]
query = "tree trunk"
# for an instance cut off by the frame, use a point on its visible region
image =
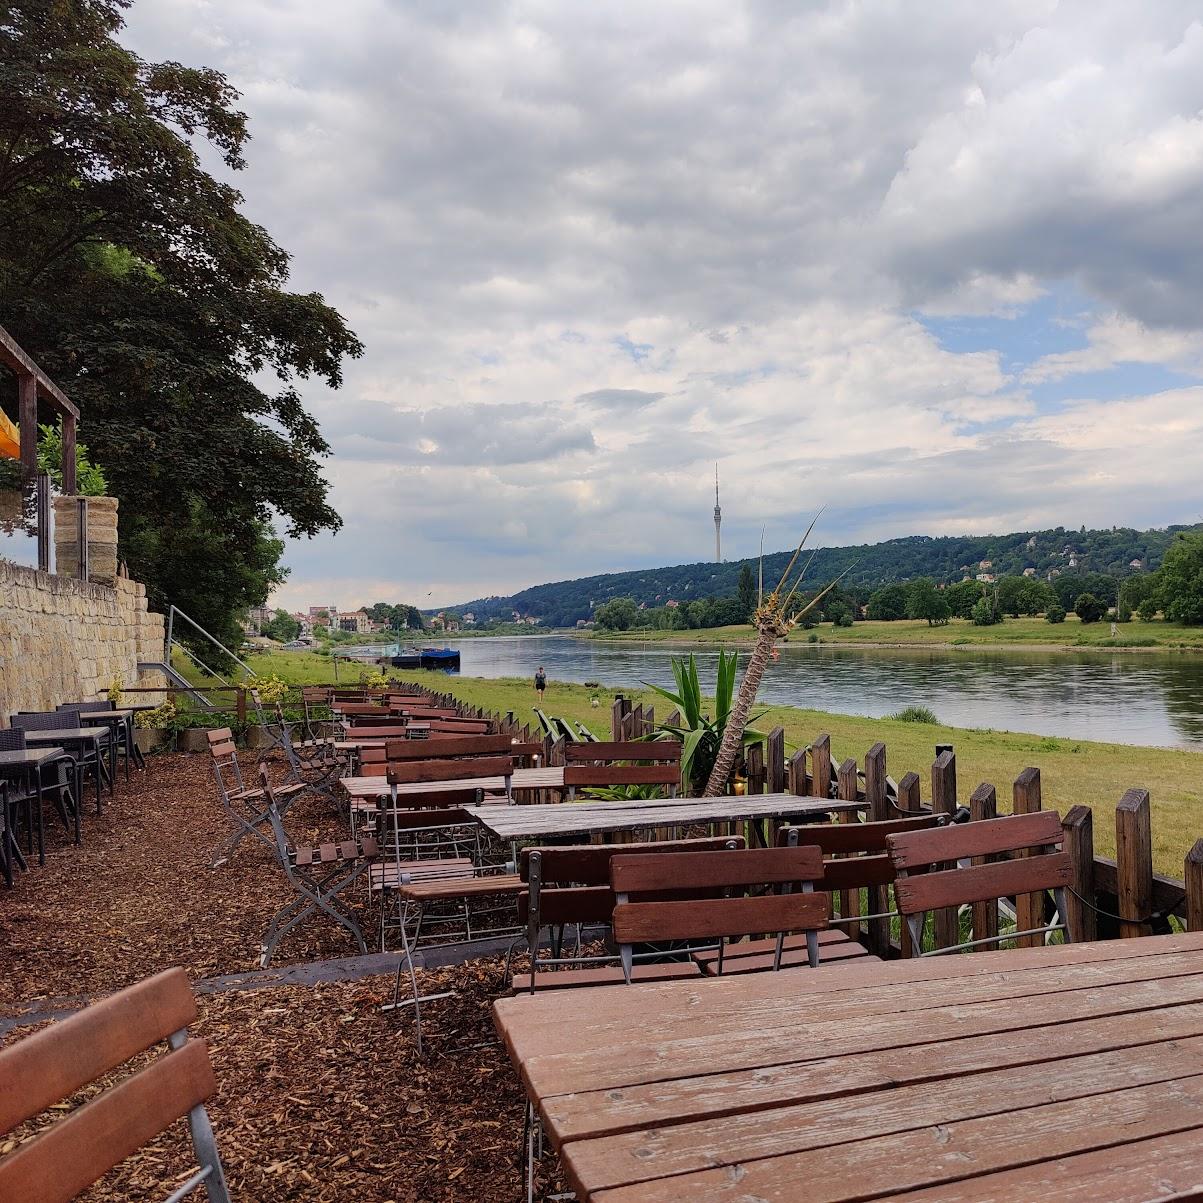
(737, 720)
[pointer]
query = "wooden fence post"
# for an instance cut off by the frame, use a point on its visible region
(1134, 863)
(649, 720)
(1194, 887)
(908, 795)
(1078, 825)
(983, 804)
(618, 712)
(878, 811)
(820, 759)
(795, 774)
(774, 755)
(846, 789)
(945, 922)
(1029, 908)
(754, 762)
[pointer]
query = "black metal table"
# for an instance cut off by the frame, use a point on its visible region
(112, 719)
(26, 764)
(74, 737)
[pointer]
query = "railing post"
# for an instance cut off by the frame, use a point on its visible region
(877, 810)
(1134, 863)
(1029, 908)
(945, 922)
(846, 790)
(795, 773)
(908, 795)
(983, 804)
(1078, 825)
(81, 534)
(241, 706)
(774, 755)
(1194, 887)
(820, 760)
(42, 488)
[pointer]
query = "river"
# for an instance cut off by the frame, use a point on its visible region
(1122, 698)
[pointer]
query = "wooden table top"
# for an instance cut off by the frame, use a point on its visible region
(1072, 1072)
(68, 734)
(377, 787)
(577, 818)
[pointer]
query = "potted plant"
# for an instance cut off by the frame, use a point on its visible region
(152, 728)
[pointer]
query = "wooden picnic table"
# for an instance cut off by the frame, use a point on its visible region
(523, 779)
(1072, 1072)
(579, 818)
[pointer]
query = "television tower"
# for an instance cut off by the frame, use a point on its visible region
(718, 522)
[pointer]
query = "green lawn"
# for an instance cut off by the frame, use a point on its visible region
(1072, 771)
(959, 632)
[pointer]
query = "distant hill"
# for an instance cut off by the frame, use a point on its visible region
(944, 559)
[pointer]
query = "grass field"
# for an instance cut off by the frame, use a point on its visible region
(1070, 635)
(1072, 771)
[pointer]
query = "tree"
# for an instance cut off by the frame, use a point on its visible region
(1148, 608)
(618, 614)
(129, 274)
(887, 604)
(1089, 608)
(747, 593)
(1181, 580)
(986, 611)
(962, 597)
(1055, 613)
(1023, 595)
(282, 627)
(924, 600)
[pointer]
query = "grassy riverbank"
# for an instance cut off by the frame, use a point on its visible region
(1014, 634)
(1072, 771)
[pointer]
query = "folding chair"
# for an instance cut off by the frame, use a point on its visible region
(318, 875)
(246, 807)
(314, 768)
(855, 859)
(636, 762)
(924, 882)
(43, 1071)
(569, 887)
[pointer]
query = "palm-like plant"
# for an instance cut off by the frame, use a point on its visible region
(700, 734)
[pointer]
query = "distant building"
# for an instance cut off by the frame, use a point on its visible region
(671, 604)
(1137, 564)
(469, 619)
(1029, 572)
(986, 565)
(986, 578)
(1032, 543)
(356, 622)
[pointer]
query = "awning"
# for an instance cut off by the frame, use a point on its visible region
(10, 439)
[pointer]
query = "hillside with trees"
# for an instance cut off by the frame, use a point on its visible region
(1070, 562)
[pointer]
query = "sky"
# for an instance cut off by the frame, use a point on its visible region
(934, 266)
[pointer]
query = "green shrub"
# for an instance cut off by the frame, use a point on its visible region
(915, 714)
(844, 620)
(1055, 613)
(1089, 608)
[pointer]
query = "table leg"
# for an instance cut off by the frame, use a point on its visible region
(35, 776)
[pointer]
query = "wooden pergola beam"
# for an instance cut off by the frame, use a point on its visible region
(14, 358)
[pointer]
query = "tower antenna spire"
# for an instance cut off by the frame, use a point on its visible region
(718, 522)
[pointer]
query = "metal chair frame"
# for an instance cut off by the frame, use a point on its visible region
(245, 805)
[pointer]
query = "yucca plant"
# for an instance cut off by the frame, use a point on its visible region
(774, 618)
(700, 734)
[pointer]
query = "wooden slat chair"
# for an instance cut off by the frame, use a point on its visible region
(739, 914)
(43, 1071)
(315, 767)
(246, 806)
(427, 770)
(569, 887)
(854, 859)
(319, 875)
(654, 762)
(925, 883)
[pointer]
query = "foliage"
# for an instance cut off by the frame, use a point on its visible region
(129, 273)
(271, 690)
(1070, 586)
(622, 793)
(399, 617)
(159, 719)
(700, 733)
(869, 568)
(888, 604)
(617, 615)
(115, 691)
(1180, 581)
(746, 592)
(89, 479)
(378, 679)
(1148, 609)
(843, 619)
(915, 714)
(282, 627)
(1020, 595)
(924, 600)
(1055, 613)
(986, 612)
(1089, 608)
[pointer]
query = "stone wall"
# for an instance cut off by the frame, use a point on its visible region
(63, 639)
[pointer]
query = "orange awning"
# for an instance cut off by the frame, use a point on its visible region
(10, 439)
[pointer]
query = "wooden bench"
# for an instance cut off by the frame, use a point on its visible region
(635, 762)
(44, 1070)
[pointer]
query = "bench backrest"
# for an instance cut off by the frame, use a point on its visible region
(225, 760)
(407, 772)
(861, 848)
(448, 747)
(635, 762)
(924, 882)
(740, 914)
(48, 1067)
(458, 726)
(649, 751)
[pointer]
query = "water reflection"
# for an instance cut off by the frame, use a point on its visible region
(1138, 699)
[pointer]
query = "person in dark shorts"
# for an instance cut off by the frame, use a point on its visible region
(540, 682)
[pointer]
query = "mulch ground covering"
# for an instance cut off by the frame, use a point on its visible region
(321, 1096)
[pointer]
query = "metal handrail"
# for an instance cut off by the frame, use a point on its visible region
(169, 640)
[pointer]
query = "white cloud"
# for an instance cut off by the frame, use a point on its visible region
(592, 249)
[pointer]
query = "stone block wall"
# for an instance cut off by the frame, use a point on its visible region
(63, 639)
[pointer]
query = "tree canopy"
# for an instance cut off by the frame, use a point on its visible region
(129, 273)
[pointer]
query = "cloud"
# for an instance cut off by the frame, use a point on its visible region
(592, 249)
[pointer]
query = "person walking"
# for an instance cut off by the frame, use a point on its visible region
(540, 682)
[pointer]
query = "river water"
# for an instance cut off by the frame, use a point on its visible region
(1141, 698)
